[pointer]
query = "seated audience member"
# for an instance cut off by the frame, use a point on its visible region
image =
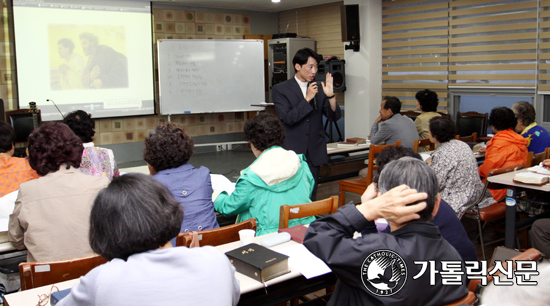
(506, 148)
(446, 220)
(167, 150)
(131, 224)
(95, 161)
(391, 126)
(533, 294)
(13, 170)
(427, 102)
(540, 235)
(455, 167)
(537, 137)
(51, 214)
(380, 268)
(277, 177)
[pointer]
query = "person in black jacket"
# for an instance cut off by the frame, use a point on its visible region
(403, 267)
(301, 105)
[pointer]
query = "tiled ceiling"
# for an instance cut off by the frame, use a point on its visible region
(250, 5)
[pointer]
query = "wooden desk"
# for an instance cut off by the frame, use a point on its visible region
(30, 297)
(279, 289)
(512, 190)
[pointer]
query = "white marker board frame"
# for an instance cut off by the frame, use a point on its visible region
(206, 75)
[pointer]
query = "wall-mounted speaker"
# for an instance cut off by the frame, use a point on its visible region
(2, 113)
(337, 69)
(350, 22)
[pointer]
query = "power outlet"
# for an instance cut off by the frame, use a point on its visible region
(229, 147)
(219, 147)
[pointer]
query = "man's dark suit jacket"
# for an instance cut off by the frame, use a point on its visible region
(304, 124)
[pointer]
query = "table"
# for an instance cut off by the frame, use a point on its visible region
(279, 289)
(513, 189)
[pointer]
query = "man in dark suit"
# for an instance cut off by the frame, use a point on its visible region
(301, 105)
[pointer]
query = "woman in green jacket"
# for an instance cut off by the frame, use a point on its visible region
(277, 177)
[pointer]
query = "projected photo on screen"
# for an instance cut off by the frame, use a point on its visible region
(94, 55)
(87, 57)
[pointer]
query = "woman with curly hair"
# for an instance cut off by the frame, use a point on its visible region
(51, 214)
(167, 150)
(455, 167)
(506, 148)
(95, 161)
(426, 102)
(275, 178)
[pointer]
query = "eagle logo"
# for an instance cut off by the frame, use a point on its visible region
(384, 272)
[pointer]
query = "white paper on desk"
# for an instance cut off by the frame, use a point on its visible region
(425, 156)
(304, 261)
(7, 203)
(220, 182)
(539, 169)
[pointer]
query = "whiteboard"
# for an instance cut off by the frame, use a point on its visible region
(203, 76)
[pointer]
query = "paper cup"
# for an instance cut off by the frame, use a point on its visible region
(247, 236)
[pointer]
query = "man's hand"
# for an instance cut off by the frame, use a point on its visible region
(392, 205)
(546, 164)
(95, 73)
(429, 160)
(378, 119)
(97, 83)
(370, 193)
(311, 91)
(329, 88)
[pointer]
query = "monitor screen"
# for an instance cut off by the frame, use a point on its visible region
(94, 55)
(23, 125)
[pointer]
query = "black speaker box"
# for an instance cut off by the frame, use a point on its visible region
(2, 112)
(350, 22)
(338, 70)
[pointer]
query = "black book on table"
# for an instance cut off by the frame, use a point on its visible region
(258, 262)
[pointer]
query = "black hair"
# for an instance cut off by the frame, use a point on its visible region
(392, 103)
(524, 111)
(428, 100)
(167, 147)
(301, 57)
(502, 118)
(443, 128)
(7, 137)
(392, 153)
(264, 131)
(67, 43)
(134, 214)
(90, 37)
(82, 124)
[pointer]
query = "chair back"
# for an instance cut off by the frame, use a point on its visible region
(217, 236)
(37, 274)
(289, 212)
(373, 150)
(411, 114)
(529, 254)
(471, 138)
(471, 122)
(423, 143)
(444, 114)
(535, 159)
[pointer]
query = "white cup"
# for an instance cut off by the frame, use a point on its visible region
(247, 236)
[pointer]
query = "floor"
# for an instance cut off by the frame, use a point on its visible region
(230, 163)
